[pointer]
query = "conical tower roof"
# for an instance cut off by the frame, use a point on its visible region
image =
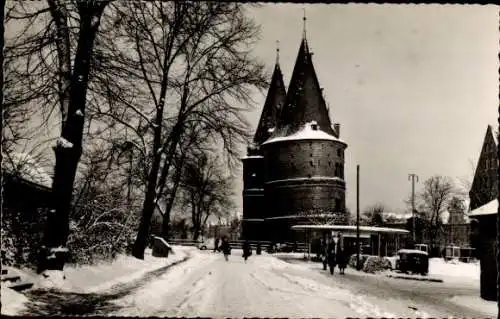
(304, 101)
(274, 102)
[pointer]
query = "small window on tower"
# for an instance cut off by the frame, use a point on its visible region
(329, 164)
(312, 163)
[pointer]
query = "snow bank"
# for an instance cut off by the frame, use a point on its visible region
(490, 308)
(102, 276)
(12, 302)
(454, 270)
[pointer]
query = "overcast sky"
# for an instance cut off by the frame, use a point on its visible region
(413, 86)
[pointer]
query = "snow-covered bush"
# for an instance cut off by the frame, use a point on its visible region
(353, 258)
(375, 264)
(22, 234)
(104, 215)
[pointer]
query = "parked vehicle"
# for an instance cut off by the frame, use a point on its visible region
(422, 247)
(413, 260)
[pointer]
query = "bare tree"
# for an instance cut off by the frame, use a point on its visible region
(50, 62)
(206, 191)
(434, 199)
(373, 215)
(175, 64)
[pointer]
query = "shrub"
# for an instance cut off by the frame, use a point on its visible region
(375, 264)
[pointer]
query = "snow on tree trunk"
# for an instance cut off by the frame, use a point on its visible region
(68, 149)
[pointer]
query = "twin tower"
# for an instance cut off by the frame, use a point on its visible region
(294, 169)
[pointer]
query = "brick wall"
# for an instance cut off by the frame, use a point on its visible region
(302, 159)
(290, 171)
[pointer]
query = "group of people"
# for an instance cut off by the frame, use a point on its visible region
(225, 247)
(334, 255)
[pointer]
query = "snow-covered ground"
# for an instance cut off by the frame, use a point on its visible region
(206, 285)
(453, 270)
(96, 278)
(13, 302)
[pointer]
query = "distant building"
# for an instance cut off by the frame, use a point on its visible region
(484, 213)
(485, 184)
(295, 167)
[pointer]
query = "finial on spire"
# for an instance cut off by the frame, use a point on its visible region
(277, 51)
(304, 19)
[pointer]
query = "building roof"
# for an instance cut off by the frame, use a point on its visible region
(489, 130)
(274, 101)
(304, 101)
(365, 229)
(487, 209)
(27, 168)
(307, 132)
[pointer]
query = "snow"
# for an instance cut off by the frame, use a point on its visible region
(252, 157)
(101, 277)
(352, 228)
(12, 302)
(487, 209)
(301, 179)
(306, 133)
(64, 143)
(455, 271)
(28, 168)
(265, 286)
(52, 279)
(476, 303)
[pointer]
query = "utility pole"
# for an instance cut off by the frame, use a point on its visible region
(412, 177)
(357, 219)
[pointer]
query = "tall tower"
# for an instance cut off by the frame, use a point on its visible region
(304, 157)
(253, 163)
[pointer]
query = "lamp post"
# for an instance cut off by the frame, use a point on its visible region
(357, 219)
(412, 177)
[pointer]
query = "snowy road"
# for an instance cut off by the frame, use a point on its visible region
(207, 286)
(203, 284)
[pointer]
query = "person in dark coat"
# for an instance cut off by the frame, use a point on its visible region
(331, 256)
(247, 250)
(216, 244)
(226, 248)
(258, 250)
(324, 253)
(341, 260)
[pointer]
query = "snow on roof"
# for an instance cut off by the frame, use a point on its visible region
(370, 229)
(251, 156)
(412, 251)
(397, 215)
(487, 209)
(28, 168)
(306, 133)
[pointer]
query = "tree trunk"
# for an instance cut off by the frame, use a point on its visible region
(69, 147)
(498, 230)
(141, 240)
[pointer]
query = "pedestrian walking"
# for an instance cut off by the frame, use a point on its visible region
(258, 250)
(216, 244)
(324, 253)
(341, 260)
(226, 248)
(331, 256)
(247, 250)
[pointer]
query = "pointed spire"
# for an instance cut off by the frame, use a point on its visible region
(304, 19)
(304, 101)
(272, 107)
(277, 52)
